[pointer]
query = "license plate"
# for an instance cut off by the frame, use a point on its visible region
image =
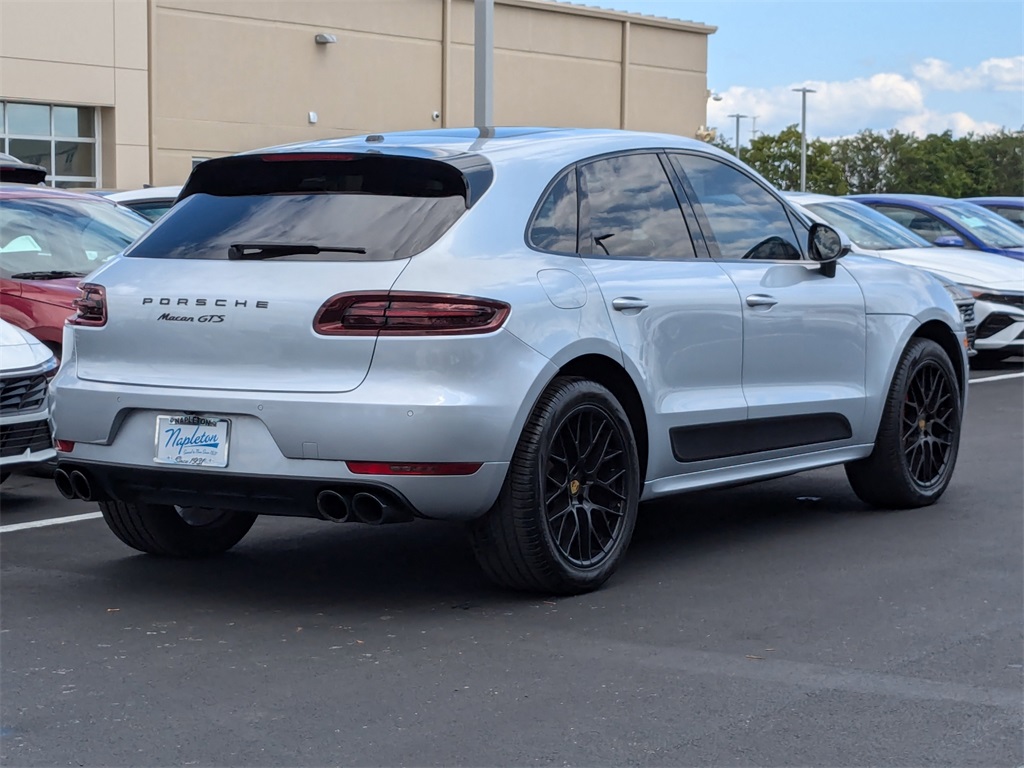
(196, 441)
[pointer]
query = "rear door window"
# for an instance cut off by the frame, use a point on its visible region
(309, 208)
(633, 210)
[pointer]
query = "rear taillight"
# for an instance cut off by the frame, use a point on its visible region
(408, 314)
(91, 306)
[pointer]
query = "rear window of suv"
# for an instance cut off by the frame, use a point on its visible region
(293, 207)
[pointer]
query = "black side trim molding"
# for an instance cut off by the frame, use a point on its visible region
(739, 438)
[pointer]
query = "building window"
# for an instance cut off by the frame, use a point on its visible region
(62, 139)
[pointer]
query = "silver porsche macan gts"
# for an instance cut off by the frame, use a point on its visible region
(528, 330)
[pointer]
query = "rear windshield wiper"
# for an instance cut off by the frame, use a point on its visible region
(257, 251)
(51, 275)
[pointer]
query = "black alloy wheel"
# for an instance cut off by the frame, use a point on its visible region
(930, 423)
(919, 434)
(585, 486)
(566, 512)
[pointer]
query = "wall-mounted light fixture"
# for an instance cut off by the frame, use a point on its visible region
(322, 38)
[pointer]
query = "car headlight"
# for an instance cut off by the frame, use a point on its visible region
(50, 368)
(958, 292)
(1012, 298)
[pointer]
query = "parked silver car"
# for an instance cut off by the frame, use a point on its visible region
(529, 330)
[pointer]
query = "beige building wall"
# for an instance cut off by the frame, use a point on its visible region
(184, 79)
(85, 53)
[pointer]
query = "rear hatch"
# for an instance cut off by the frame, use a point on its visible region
(223, 291)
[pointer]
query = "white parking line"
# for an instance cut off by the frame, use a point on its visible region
(53, 521)
(1002, 377)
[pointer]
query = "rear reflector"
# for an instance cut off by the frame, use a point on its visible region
(91, 306)
(408, 314)
(387, 468)
(64, 446)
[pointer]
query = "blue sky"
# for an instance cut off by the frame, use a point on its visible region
(920, 66)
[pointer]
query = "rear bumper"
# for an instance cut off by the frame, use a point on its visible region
(282, 495)
(285, 446)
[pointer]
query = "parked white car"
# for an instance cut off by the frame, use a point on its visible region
(151, 202)
(26, 367)
(996, 282)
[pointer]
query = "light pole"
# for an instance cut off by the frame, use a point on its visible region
(483, 63)
(738, 118)
(803, 135)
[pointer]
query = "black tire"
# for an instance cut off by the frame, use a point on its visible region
(164, 530)
(919, 435)
(565, 515)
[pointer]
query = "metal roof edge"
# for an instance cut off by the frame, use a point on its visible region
(578, 9)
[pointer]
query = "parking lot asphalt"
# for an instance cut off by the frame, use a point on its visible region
(780, 623)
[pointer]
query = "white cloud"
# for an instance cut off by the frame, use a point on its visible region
(879, 102)
(1006, 74)
(959, 123)
(834, 107)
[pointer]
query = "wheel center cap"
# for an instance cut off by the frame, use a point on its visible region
(574, 487)
(922, 424)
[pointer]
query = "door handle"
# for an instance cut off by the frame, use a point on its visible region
(628, 302)
(761, 300)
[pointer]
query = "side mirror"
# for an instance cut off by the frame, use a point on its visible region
(949, 241)
(825, 245)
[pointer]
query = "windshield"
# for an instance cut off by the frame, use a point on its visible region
(64, 237)
(866, 227)
(990, 228)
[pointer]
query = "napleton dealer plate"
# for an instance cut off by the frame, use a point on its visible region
(199, 441)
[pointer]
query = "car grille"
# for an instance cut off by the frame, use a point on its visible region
(15, 438)
(967, 313)
(23, 394)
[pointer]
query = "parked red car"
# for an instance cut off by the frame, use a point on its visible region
(49, 240)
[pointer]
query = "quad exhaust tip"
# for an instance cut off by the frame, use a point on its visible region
(361, 507)
(333, 506)
(74, 484)
(63, 482)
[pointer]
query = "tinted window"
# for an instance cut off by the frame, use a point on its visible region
(634, 212)
(991, 229)
(746, 221)
(865, 226)
(152, 209)
(54, 235)
(1016, 215)
(375, 208)
(920, 223)
(554, 226)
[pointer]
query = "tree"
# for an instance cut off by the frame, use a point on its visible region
(862, 160)
(777, 158)
(1005, 153)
